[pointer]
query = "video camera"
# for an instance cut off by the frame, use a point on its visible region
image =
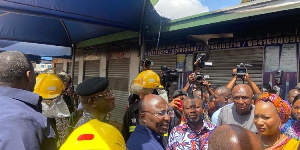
(277, 90)
(241, 70)
(278, 81)
(169, 76)
(278, 77)
(200, 77)
(200, 59)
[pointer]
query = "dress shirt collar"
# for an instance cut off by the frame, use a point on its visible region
(22, 95)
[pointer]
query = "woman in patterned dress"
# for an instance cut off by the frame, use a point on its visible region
(292, 127)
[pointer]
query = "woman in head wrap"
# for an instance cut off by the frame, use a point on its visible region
(269, 114)
(292, 127)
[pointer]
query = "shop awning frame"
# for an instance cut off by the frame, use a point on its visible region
(64, 23)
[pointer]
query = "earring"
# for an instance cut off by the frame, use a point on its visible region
(279, 126)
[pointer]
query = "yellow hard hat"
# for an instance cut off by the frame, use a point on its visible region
(95, 135)
(147, 79)
(48, 85)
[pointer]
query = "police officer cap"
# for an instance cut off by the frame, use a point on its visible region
(91, 86)
(178, 93)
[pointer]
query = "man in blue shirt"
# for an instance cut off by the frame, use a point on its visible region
(154, 119)
(23, 127)
(222, 97)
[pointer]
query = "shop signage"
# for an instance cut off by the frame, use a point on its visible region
(57, 60)
(252, 42)
(92, 55)
(118, 55)
(179, 48)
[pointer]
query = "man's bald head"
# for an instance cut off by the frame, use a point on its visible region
(242, 87)
(150, 100)
(233, 137)
(222, 96)
(223, 90)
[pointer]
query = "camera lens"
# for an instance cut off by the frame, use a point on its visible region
(199, 77)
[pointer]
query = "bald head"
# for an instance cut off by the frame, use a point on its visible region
(223, 90)
(222, 96)
(237, 138)
(150, 100)
(242, 87)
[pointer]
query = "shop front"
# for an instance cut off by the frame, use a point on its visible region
(118, 63)
(272, 59)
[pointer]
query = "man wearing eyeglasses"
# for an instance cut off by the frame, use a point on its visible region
(154, 119)
(96, 99)
(192, 134)
(242, 111)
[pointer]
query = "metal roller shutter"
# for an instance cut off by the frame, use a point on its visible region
(91, 69)
(76, 69)
(118, 76)
(164, 60)
(224, 61)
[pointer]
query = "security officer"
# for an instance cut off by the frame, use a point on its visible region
(96, 99)
(143, 85)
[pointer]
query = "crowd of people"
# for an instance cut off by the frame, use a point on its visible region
(235, 117)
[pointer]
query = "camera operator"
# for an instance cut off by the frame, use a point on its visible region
(146, 64)
(247, 78)
(192, 80)
(266, 88)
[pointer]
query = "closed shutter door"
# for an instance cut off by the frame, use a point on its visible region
(91, 69)
(76, 67)
(224, 61)
(118, 76)
(164, 60)
(58, 66)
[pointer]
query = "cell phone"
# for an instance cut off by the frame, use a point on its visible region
(181, 103)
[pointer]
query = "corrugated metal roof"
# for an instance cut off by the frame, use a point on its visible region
(245, 10)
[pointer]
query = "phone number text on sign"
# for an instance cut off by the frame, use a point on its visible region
(256, 42)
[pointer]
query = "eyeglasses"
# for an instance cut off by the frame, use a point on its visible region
(107, 95)
(162, 114)
(235, 98)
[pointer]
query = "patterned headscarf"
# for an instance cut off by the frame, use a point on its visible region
(282, 107)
